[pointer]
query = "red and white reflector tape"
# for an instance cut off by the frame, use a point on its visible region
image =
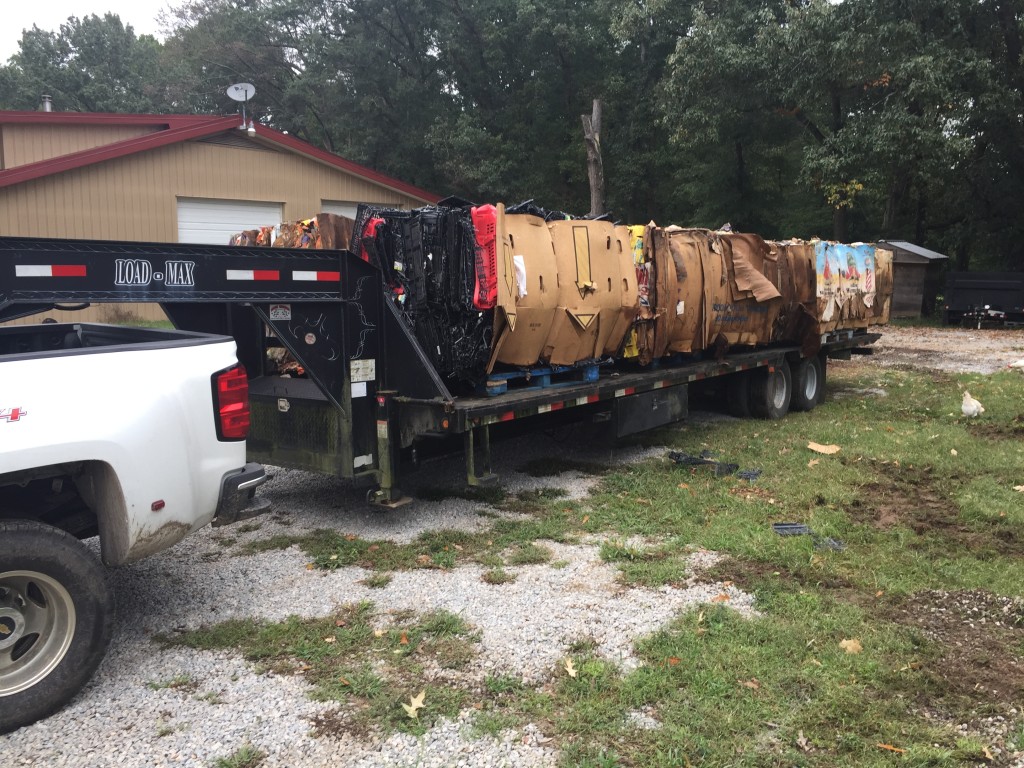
(49, 270)
(322, 277)
(253, 274)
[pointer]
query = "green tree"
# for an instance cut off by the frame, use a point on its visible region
(93, 64)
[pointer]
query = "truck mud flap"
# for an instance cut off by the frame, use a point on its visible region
(648, 410)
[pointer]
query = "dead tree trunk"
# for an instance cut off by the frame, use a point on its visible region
(595, 165)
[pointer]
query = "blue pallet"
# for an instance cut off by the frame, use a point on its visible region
(543, 377)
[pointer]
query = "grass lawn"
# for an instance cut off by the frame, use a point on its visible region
(903, 643)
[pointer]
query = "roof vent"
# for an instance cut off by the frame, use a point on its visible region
(46, 105)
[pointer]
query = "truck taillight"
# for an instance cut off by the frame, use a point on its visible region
(231, 399)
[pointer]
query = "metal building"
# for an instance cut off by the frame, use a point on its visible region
(170, 178)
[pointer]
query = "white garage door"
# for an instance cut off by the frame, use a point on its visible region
(339, 208)
(202, 220)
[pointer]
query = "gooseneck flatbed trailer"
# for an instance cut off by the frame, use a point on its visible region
(367, 388)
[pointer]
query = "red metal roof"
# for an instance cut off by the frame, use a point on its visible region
(172, 129)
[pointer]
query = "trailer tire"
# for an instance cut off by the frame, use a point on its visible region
(808, 384)
(771, 390)
(737, 393)
(57, 608)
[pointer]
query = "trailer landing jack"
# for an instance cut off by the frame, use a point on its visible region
(386, 495)
(472, 478)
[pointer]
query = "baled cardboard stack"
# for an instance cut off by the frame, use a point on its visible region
(567, 290)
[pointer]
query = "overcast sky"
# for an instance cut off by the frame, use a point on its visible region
(50, 14)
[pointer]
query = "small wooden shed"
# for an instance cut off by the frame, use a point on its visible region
(915, 276)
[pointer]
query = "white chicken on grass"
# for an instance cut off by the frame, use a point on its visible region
(971, 407)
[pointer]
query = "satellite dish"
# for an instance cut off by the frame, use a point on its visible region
(241, 91)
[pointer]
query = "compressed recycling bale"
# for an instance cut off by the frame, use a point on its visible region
(849, 285)
(792, 270)
(596, 301)
(334, 232)
(527, 288)
(745, 303)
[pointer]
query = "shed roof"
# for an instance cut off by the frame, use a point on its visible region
(172, 129)
(916, 250)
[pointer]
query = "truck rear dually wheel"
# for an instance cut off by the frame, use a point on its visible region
(56, 614)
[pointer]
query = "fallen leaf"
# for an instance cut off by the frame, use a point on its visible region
(403, 639)
(851, 646)
(331, 639)
(752, 683)
(570, 668)
(813, 462)
(414, 706)
(673, 660)
(828, 450)
(891, 748)
(802, 742)
(952, 452)
(722, 598)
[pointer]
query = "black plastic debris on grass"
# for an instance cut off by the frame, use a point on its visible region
(802, 529)
(720, 468)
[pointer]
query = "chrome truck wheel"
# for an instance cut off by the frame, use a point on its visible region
(55, 619)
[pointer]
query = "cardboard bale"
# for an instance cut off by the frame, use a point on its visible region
(745, 303)
(710, 290)
(248, 237)
(850, 285)
(595, 301)
(678, 256)
(527, 288)
(334, 232)
(792, 270)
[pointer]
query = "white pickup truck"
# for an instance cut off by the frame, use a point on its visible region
(133, 435)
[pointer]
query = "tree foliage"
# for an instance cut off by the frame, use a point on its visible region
(860, 119)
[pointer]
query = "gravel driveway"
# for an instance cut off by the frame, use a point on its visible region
(131, 714)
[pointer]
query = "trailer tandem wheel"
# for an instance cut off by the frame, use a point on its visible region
(771, 390)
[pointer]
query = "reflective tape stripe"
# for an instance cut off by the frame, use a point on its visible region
(49, 270)
(331, 277)
(253, 274)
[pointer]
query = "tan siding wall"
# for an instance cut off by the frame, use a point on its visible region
(24, 144)
(135, 197)
(117, 314)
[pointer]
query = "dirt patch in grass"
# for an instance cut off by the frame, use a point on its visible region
(908, 497)
(978, 638)
(1012, 431)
